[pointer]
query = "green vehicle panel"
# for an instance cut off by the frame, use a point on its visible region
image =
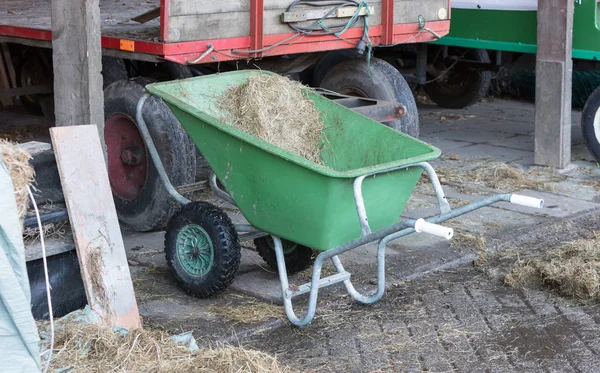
(511, 26)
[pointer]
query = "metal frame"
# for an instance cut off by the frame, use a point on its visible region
(382, 236)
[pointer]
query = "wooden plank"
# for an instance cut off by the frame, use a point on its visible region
(114, 15)
(77, 61)
(409, 11)
(306, 15)
(30, 90)
(237, 24)
(9, 65)
(209, 26)
(148, 16)
(94, 223)
(552, 143)
(186, 7)
(4, 84)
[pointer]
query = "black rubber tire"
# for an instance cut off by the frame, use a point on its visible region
(153, 208)
(225, 242)
(113, 69)
(67, 290)
(380, 81)
(328, 61)
(590, 135)
(296, 261)
(178, 71)
(165, 71)
(32, 59)
(464, 88)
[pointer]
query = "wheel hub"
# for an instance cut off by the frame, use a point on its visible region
(133, 155)
(353, 91)
(127, 157)
(195, 250)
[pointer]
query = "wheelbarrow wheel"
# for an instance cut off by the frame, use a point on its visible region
(377, 80)
(297, 257)
(590, 123)
(202, 249)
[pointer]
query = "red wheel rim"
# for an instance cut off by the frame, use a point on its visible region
(127, 157)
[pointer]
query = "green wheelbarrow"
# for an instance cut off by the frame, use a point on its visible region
(294, 206)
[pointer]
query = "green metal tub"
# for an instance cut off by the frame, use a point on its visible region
(286, 195)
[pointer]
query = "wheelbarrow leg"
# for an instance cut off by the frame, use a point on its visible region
(288, 295)
(362, 298)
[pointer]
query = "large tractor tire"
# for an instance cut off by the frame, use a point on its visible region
(459, 88)
(590, 123)
(377, 80)
(142, 202)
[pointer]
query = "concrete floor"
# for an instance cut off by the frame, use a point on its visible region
(439, 313)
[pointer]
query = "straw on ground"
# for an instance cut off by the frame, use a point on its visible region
(97, 348)
(573, 270)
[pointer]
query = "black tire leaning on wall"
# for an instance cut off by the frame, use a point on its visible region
(590, 123)
(148, 206)
(378, 80)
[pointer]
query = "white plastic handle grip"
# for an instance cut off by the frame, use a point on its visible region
(535, 203)
(434, 229)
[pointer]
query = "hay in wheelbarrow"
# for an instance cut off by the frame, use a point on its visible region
(274, 108)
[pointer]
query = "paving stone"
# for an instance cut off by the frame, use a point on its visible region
(444, 144)
(497, 153)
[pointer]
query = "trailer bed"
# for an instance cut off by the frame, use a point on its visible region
(186, 29)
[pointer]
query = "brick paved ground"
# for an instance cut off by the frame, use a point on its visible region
(455, 321)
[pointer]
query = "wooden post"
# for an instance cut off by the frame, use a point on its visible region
(77, 61)
(553, 83)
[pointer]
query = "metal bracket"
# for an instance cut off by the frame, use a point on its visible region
(378, 110)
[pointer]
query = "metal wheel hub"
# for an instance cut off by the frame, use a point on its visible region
(195, 250)
(353, 92)
(127, 157)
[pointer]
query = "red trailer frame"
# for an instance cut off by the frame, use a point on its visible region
(226, 49)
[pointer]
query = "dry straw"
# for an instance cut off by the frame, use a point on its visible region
(246, 310)
(96, 348)
(31, 235)
(21, 172)
(275, 109)
(573, 269)
(495, 175)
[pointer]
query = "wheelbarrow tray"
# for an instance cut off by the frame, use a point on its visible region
(286, 195)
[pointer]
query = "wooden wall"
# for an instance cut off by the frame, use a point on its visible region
(211, 19)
